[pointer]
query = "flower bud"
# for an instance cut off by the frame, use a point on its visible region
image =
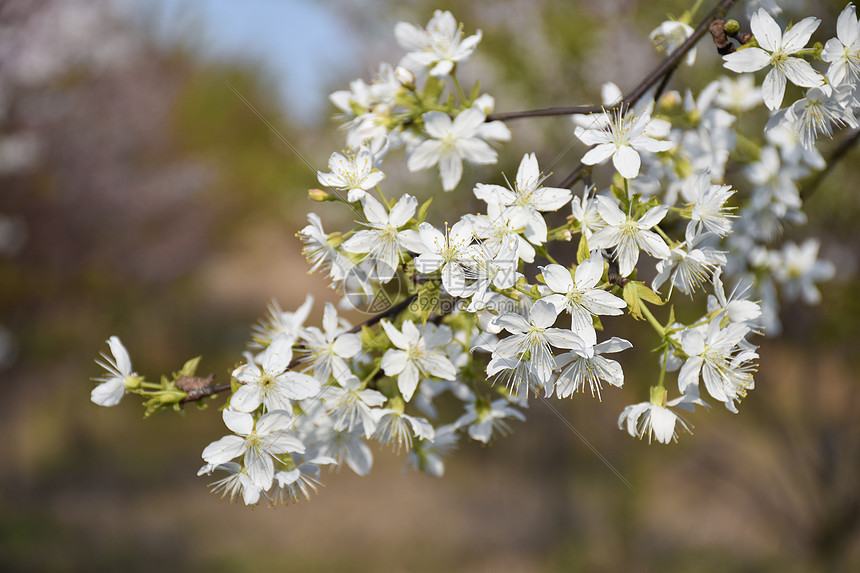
(405, 77)
(319, 195)
(132, 382)
(732, 27)
(171, 396)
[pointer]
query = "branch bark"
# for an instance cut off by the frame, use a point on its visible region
(834, 158)
(630, 99)
(666, 68)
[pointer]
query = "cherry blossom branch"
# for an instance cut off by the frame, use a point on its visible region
(197, 391)
(393, 310)
(662, 72)
(665, 67)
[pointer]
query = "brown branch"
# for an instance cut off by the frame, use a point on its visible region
(201, 393)
(664, 70)
(814, 182)
(550, 111)
(197, 391)
(390, 311)
(640, 90)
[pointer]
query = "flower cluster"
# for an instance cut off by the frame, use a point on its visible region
(482, 311)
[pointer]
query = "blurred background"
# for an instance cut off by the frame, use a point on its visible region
(140, 196)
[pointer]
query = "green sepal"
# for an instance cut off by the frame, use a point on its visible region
(476, 91)
(658, 395)
(433, 88)
(428, 299)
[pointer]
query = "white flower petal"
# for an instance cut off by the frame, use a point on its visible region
(746, 60)
(626, 160)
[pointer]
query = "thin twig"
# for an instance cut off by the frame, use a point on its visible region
(814, 182)
(205, 393)
(629, 100)
(664, 70)
(393, 310)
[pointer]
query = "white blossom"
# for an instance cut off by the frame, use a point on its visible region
(449, 143)
(578, 296)
(267, 380)
(353, 173)
(798, 268)
(258, 442)
(415, 356)
(119, 374)
(438, 47)
(622, 136)
(627, 235)
(777, 50)
(525, 354)
(587, 366)
(383, 240)
(329, 348)
(843, 51)
(485, 420)
(527, 198)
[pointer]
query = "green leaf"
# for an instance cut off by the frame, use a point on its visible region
(189, 368)
(630, 293)
(422, 210)
(582, 251)
(649, 295)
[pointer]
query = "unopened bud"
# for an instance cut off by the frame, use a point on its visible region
(171, 396)
(405, 77)
(670, 100)
(732, 27)
(319, 195)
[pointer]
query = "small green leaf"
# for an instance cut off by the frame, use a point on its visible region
(476, 91)
(630, 293)
(582, 251)
(649, 295)
(189, 367)
(422, 210)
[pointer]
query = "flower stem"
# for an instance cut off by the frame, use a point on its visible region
(654, 322)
